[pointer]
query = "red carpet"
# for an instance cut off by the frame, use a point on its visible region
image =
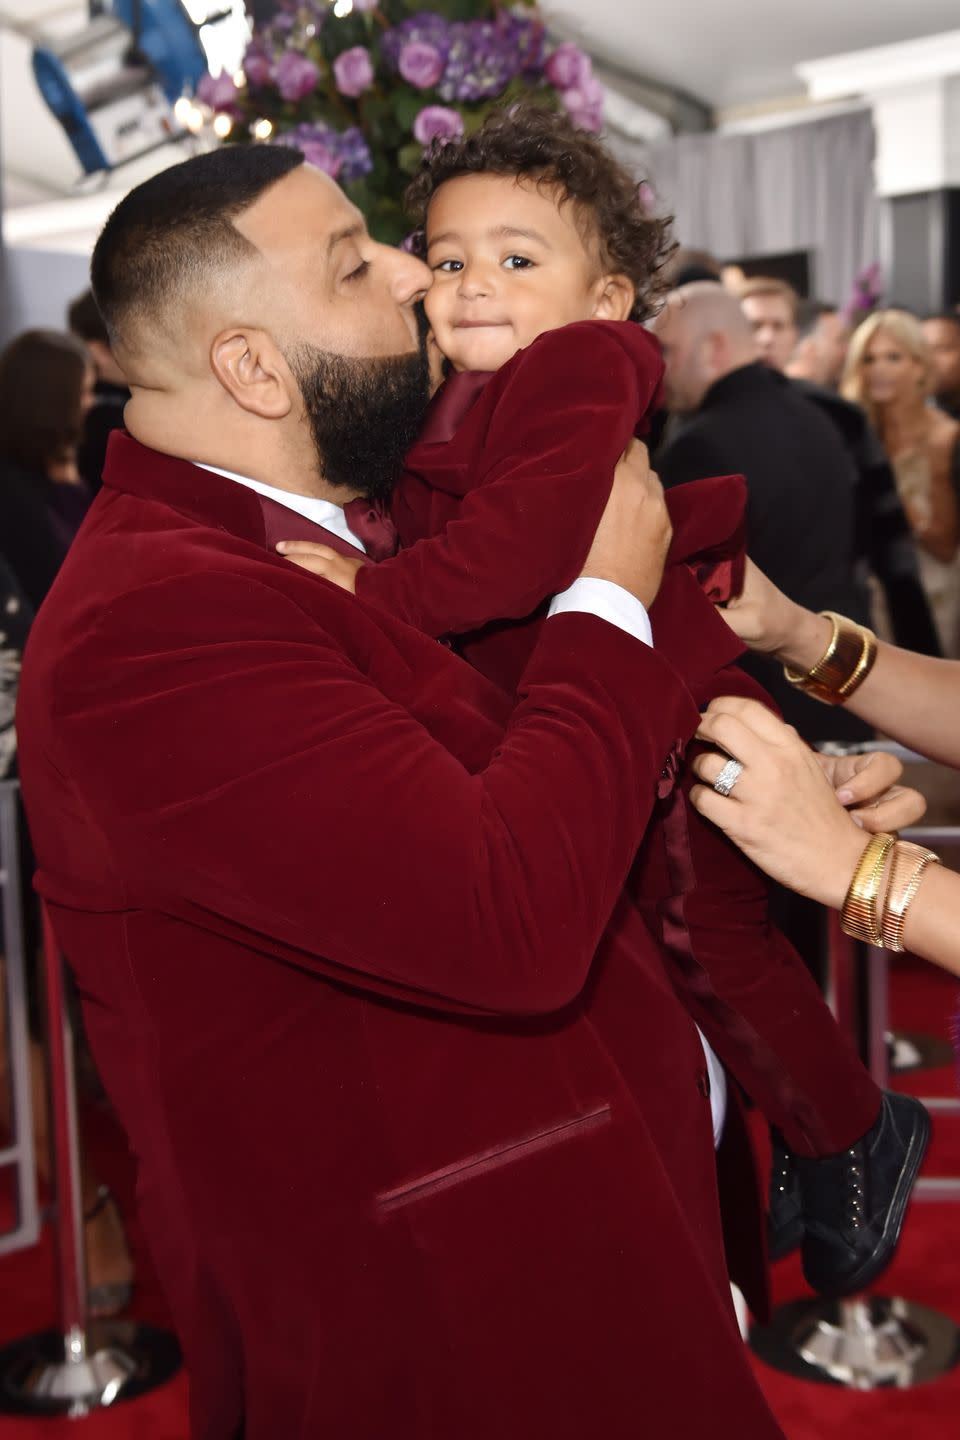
(927, 1270)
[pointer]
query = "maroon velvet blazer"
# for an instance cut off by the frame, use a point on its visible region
(500, 499)
(423, 1134)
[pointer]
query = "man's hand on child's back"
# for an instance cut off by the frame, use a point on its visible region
(633, 537)
(321, 560)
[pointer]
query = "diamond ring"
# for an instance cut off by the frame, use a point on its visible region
(728, 777)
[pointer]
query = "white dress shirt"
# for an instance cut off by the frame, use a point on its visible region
(587, 594)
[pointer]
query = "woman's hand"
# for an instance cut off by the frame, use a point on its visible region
(766, 621)
(323, 561)
(867, 786)
(782, 811)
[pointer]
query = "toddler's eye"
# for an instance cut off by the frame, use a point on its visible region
(517, 262)
(449, 267)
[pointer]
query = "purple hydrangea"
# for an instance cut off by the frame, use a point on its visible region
(436, 122)
(527, 38)
(320, 157)
(585, 106)
(480, 62)
(296, 76)
(420, 64)
(568, 68)
(363, 5)
(218, 91)
(353, 71)
(344, 154)
(355, 154)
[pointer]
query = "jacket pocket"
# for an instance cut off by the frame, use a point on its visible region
(496, 1158)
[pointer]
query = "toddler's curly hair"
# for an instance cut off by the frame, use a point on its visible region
(528, 140)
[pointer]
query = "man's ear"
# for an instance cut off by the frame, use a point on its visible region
(616, 297)
(253, 372)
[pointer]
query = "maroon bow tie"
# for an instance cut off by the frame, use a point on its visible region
(373, 528)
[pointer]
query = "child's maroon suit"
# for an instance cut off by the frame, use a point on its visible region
(504, 490)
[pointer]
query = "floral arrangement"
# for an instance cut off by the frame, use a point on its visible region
(364, 86)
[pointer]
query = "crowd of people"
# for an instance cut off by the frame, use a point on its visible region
(383, 945)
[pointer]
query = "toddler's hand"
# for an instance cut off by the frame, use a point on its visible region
(321, 560)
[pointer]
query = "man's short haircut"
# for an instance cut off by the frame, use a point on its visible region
(758, 285)
(85, 320)
(529, 141)
(949, 317)
(811, 312)
(171, 235)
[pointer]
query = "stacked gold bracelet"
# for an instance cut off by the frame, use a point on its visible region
(843, 666)
(862, 916)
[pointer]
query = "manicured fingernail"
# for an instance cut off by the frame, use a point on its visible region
(281, 545)
(857, 821)
(845, 796)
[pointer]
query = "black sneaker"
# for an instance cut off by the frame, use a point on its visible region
(854, 1203)
(785, 1218)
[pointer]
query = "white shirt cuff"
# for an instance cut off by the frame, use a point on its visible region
(607, 600)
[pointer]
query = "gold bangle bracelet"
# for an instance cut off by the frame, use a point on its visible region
(863, 667)
(843, 666)
(859, 914)
(909, 866)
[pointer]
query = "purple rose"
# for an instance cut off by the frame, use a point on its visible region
(353, 71)
(420, 64)
(296, 76)
(320, 157)
(585, 105)
(258, 68)
(436, 122)
(219, 92)
(568, 68)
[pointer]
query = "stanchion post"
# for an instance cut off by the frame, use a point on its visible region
(76, 1368)
(71, 1267)
(19, 1154)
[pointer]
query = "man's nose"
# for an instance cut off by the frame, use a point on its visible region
(410, 278)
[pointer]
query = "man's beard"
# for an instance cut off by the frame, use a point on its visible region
(364, 413)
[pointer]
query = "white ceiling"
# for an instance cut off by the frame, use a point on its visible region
(734, 52)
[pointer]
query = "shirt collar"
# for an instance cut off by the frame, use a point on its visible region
(320, 512)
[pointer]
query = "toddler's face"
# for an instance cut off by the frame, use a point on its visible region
(508, 263)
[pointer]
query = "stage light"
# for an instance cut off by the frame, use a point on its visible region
(116, 85)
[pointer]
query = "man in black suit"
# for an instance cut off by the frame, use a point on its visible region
(884, 542)
(743, 416)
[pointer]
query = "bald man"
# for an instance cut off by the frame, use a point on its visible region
(741, 415)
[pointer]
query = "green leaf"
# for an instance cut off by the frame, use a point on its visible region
(409, 157)
(407, 104)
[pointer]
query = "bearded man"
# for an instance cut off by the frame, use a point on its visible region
(425, 1142)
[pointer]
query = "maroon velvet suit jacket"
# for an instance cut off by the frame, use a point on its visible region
(424, 1138)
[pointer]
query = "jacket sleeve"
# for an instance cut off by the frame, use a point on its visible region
(265, 787)
(566, 414)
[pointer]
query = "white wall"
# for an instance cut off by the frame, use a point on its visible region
(39, 284)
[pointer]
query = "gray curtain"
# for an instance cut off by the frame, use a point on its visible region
(803, 187)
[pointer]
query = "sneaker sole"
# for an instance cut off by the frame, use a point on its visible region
(881, 1257)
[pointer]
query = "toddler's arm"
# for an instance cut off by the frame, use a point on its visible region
(568, 410)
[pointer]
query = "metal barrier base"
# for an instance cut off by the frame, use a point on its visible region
(877, 1342)
(51, 1374)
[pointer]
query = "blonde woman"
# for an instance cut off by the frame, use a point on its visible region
(889, 373)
